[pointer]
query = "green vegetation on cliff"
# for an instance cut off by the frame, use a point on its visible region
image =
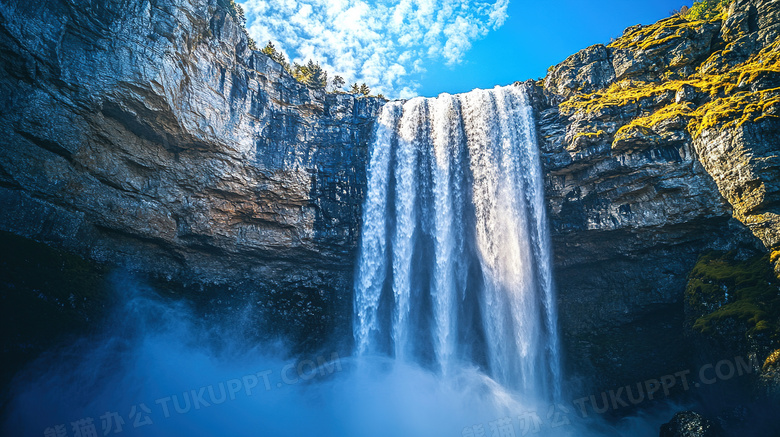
(722, 288)
(313, 75)
(237, 12)
(720, 92)
(707, 9)
(654, 35)
(310, 74)
(270, 51)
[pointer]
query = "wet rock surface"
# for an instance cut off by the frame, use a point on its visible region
(690, 424)
(147, 135)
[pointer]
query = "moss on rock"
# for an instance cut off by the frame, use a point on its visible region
(722, 287)
(632, 137)
(737, 94)
(657, 34)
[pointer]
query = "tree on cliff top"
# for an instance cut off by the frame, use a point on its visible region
(238, 14)
(706, 9)
(276, 55)
(318, 78)
(337, 83)
(359, 89)
(311, 74)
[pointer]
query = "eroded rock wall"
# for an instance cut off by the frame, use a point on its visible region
(657, 147)
(145, 134)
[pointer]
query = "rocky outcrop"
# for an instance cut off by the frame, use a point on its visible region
(657, 147)
(690, 424)
(744, 162)
(146, 134)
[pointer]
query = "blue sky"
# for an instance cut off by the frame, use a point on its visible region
(426, 47)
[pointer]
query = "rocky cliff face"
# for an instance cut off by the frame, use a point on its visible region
(657, 147)
(146, 134)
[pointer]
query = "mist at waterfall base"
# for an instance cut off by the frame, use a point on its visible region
(454, 325)
(153, 350)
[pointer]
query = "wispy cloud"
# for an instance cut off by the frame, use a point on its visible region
(385, 44)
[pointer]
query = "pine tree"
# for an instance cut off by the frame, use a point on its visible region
(238, 14)
(318, 78)
(300, 73)
(337, 83)
(354, 88)
(311, 75)
(237, 11)
(364, 89)
(270, 50)
(277, 56)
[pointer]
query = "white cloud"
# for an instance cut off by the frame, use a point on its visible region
(383, 43)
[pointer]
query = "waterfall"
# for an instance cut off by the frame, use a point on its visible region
(454, 261)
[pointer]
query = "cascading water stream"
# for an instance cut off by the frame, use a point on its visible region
(454, 260)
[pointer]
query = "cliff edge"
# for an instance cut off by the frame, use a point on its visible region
(658, 148)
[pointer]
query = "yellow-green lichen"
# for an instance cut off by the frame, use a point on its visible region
(619, 94)
(682, 111)
(590, 135)
(737, 109)
(632, 136)
(708, 10)
(773, 360)
(731, 102)
(647, 37)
